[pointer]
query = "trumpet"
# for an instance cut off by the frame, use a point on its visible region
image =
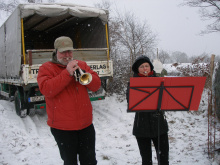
(83, 78)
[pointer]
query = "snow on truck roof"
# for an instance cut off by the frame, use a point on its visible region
(58, 9)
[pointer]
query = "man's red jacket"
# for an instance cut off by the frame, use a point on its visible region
(67, 101)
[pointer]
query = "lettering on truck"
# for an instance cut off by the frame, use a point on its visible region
(98, 68)
(34, 71)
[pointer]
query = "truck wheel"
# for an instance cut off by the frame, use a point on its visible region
(19, 111)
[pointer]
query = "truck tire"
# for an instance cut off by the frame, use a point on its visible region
(19, 111)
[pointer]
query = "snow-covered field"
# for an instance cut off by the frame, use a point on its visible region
(28, 141)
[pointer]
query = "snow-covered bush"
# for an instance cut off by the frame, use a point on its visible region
(196, 68)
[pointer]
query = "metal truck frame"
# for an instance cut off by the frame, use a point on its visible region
(26, 42)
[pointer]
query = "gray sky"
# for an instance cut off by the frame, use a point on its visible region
(178, 27)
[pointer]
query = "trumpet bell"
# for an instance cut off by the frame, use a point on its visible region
(82, 78)
(85, 78)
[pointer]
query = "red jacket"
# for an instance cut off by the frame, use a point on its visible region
(67, 102)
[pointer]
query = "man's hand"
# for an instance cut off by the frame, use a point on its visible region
(72, 66)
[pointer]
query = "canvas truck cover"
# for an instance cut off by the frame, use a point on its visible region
(52, 10)
(42, 24)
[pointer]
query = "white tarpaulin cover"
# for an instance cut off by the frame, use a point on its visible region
(52, 10)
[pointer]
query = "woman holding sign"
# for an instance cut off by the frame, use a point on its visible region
(145, 127)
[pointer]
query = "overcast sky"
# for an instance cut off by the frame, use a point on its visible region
(178, 27)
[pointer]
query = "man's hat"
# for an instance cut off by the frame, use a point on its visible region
(63, 44)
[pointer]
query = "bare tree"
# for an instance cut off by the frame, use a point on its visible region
(129, 37)
(104, 4)
(164, 57)
(120, 68)
(209, 10)
(178, 56)
(136, 37)
(8, 6)
(203, 58)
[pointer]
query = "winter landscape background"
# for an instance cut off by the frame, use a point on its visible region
(28, 141)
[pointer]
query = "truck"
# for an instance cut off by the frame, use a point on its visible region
(27, 41)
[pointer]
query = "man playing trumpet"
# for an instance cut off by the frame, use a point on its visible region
(68, 105)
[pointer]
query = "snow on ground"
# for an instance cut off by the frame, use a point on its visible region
(28, 141)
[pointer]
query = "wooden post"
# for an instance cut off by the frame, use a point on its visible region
(211, 76)
(212, 66)
(210, 111)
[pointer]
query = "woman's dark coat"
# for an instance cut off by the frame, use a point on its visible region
(146, 123)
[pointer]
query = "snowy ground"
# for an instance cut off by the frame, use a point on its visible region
(28, 141)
